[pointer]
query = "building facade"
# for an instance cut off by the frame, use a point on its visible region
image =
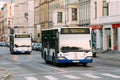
(37, 20)
(84, 12)
(105, 22)
(24, 16)
(8, 12)
(74, 13)
(64, 13)
(1, 26)
(44, 20)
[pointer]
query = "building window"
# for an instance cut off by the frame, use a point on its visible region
(59, 17)
(74, 13)
(105, 8)
(95, 9)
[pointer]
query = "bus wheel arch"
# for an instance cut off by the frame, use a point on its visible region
(54, 60)
(45, 58)
(84, 64)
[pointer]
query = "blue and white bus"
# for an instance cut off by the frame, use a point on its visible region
(20, 43)
(67, 45)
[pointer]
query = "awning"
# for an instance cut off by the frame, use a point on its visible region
(116, 25)
(96, 26)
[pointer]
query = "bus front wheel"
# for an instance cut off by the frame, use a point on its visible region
(54, 61)
(46, 61)
(84, 64)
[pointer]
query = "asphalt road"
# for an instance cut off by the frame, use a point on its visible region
(33, 67)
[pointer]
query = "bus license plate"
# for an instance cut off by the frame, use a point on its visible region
(76, 61)
(22, 51)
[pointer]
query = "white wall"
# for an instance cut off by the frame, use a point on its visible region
(114, 13)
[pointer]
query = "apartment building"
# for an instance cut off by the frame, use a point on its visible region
(24, 16)
(7, 20)
(64, 13)
(1, 25)
(44, 14)
(37, 20)
(84, 12)
(57, 13)
(105, 23)
(74, 13)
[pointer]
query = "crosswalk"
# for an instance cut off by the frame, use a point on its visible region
(97, 76)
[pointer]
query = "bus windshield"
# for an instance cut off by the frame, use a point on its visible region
(75, 49)
(22, 42)
(76, 42)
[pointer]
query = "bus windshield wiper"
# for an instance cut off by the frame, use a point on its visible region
(25, 46)
(16, 45)
(22, 45)
(68, 49)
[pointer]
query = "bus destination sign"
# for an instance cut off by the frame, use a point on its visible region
(22, 36)
(75, 31)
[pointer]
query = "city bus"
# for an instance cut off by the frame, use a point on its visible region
(20, 43)
(67, 45)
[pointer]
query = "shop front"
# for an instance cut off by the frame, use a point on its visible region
(116, 36)
(97, 36)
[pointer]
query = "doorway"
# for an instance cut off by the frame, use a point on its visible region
(108, 38)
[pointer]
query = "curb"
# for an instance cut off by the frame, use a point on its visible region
(109, 55)
(4, 74)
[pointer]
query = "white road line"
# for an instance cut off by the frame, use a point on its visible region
(31, 78)
(91, 76)
(71, 77)
(50, 78)
(111, 75)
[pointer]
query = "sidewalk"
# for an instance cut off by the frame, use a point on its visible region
(4, 74)
(109, 54)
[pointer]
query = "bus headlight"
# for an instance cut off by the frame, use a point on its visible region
(29, 49)
(15, 49)
(89, 57)
(61, 56)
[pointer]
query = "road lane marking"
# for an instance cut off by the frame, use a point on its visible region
(71, 77)
(111, 75)
(50, 78)
(31, 78)
(91, 75)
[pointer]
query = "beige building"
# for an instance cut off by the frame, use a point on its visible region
(24, 16)
(37, 20)
(57, 13)
(1, 25)
(44, 18)
(64, 13)
(8, 13)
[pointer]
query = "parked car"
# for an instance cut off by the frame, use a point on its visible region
(36, 46)
(3, 44)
